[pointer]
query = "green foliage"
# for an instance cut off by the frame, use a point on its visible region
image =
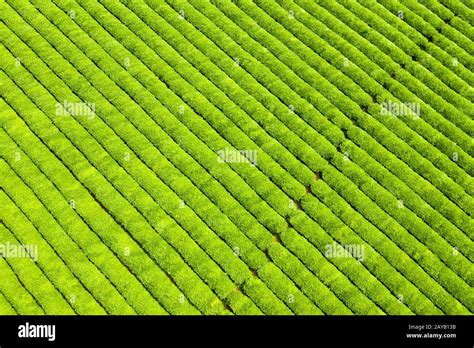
(136, 210)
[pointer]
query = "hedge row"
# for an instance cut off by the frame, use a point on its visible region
(386, 202)
(185, 218)
(214, 117)
(395, 268)
(459, 15)
(51, 293)
(311, 286)
(97, 218)
(201, 264)
(422, 257)
(330, 274)
(372, 88)
(5, 306)
(166, 145)
(183, 187)
(89, 253)
(66, 258)
(441, 30)
(445, 227)
(420, 185)
(171, 101)
(434, 94)
(123, 210)
(194, 122)
(273, 63)
(435, 75)
(146, 175)
(443, 37)
(258, 71)
(295, 297)
(418, 39)
(108, 229)
(450, 168)
(216, 93)
(395, 48)
(367, 276)
(20, 299)
(268, 302)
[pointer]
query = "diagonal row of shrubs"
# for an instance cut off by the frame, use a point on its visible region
(107, 228)
(6, 306)
(161, 223)
(183, 218)
(375, 90)
(395, 50)
(197, 232)
(50, 294)
(105, 262)
(462, 71)
(455, 42)
(309, 117)
(13, 290)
